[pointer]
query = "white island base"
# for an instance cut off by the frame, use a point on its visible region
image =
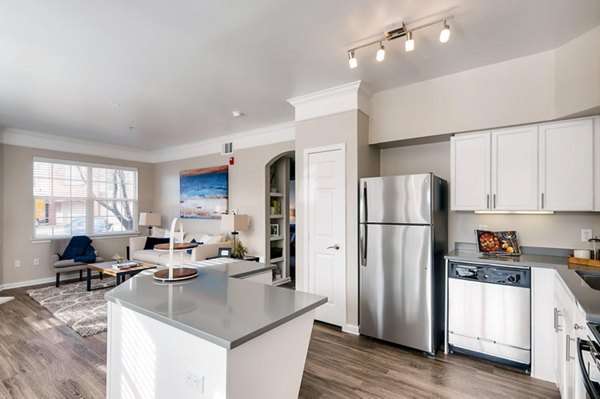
(151, 359)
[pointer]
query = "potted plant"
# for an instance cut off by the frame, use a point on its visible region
(239, 250)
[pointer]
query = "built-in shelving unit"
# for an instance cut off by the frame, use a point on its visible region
(277, 219)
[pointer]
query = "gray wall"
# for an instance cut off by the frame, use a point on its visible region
(246, 191)
(17, 224)
(560, 230)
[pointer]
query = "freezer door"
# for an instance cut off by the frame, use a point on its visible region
(396, 199)
(396, 300)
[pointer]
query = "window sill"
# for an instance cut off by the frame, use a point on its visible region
(48, 240)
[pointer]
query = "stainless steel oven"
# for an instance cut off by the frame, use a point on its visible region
(588, 356)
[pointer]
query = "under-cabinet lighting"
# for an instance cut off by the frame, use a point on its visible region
(514, 212)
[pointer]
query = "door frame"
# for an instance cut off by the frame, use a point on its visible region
(305, 219)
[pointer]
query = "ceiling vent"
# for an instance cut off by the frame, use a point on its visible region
(227, 148)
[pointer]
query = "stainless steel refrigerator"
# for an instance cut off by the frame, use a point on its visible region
(403, 238)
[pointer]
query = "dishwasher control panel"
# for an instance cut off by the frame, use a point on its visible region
(492, 274)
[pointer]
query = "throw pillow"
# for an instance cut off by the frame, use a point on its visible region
(217, 239)
(189, 251)
(158, 232)
(152, 241)
(206, 238)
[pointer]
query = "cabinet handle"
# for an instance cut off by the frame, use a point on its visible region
(494, 197)
(542, 200)
(487, 201)
(568, 348)
(556, 314)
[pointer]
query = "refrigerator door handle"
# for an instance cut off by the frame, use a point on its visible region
(363, 203)
(363, 244)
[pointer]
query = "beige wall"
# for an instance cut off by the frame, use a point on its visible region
(577, 78)
(508, 93)
(1, 209)
(17, 212)
(351, 129)
(540, 87)
(246, 191)
(561, 230)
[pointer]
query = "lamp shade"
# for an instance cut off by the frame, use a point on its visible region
(149, 219)
(235, 222)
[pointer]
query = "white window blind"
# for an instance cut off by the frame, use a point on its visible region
(73, 198)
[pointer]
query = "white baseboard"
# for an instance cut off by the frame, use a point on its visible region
(5, 299)
(45, 280)
(351, 329)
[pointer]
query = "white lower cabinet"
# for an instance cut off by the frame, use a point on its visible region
(569, 323)
(557, 322)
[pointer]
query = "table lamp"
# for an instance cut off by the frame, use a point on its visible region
(149, 219)
(235, 224)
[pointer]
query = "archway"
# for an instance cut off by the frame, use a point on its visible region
(280, 214)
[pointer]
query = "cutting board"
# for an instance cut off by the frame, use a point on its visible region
(585, 262)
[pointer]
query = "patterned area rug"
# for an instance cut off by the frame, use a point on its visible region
(83, 311)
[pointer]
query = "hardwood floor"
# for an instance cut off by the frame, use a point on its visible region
(40, 357)
(341, 365)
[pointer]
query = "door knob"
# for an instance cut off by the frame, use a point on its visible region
(336, 247)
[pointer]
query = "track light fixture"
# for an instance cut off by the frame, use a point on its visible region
(403, 31)
(409, 45)
(445, 33)
(380, 53)
(352, 59)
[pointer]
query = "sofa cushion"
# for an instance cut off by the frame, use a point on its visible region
(152, 241)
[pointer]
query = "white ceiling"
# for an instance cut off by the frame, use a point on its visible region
(176, 69)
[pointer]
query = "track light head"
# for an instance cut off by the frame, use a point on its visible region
(409, 45)
(445, 33)
(352, 60)
(380, 53)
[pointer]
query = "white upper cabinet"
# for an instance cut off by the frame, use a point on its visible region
(567, 166)
(470, 172)
(551, 167)
(515, 169)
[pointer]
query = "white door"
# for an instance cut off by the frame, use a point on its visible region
(567, 166)
(470, 172)
(515, 169)
(326, 228)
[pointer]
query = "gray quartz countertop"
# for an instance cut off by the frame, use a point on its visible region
(218, 305)
(587, 298)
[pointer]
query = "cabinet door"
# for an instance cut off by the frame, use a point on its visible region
(597, 164)
(559, 343)
(515, 169)
(570, 359)
(470, 172)
(567, 166)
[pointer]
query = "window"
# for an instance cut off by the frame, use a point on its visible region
(73, 198)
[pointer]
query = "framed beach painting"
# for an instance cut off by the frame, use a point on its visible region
(203, 193)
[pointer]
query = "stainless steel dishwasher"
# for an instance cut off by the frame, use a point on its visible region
(489, 312)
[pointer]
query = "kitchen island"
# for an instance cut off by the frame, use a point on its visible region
(220, 335)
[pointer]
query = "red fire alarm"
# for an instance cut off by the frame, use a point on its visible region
(231, 161)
